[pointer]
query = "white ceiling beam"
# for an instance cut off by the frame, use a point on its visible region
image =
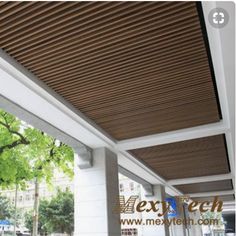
(229, 203)
(25, 90)
(201, 179)
(228, 211)
(211, 194)
(222, 45)
(173, 136)
(148, 188)
(229, 206)
(131, 163)
(125, 159)
(23, 95)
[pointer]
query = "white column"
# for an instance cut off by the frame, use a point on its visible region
(154, 230)
(96, 193)
(195, 230)
(178, 230)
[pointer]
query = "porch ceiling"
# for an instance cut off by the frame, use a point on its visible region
(223, 198)
(134, 68)
(212, 186)
(192, 158)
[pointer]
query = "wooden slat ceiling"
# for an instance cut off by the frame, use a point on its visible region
(192, 158)
(134, 68)
(206, 187)
(222, 198)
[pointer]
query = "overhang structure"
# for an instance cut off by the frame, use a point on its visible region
(148, 80)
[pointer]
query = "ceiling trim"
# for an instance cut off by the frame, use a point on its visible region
(201, 179)
(211, 194)
(174, 136)
(217, 48)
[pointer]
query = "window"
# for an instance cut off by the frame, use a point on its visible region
(131, 186)
(129, 232)
(121, 188)
(27, 197)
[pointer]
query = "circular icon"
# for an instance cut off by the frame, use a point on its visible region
(218, 17)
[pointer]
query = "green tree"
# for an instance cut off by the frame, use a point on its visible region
(27, 153)
(14, 167)
(28, 220)
(56, 215)
(43, 227)
(213, 216)
(60, 212)
(6, 209)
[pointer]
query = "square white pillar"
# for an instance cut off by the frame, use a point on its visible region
(154, 230)
(175, 229)
(195, 230)
(96, 194)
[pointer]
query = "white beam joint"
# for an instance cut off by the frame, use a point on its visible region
(146, 186)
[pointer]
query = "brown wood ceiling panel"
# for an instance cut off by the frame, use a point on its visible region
(222, 198)
(206, 187)
(134, 68)
(192, 158)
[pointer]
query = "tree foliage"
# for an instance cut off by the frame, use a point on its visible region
(6, 209)
(14, 167)
(56, 215)
(26, 153)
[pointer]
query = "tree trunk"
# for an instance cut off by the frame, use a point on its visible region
(15, 213)
(36, 208)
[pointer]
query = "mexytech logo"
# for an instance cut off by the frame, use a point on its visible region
(171, 206)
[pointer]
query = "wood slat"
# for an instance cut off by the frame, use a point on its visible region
(8, 6)
(134, 68)
(109, 61)
(125, 30)
(192, 158)
(15, 26)
(212, 186)
(68, 39)
(17, 13)
(223, 198)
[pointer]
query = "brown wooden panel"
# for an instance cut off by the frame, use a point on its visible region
(192, 158)
(222, 198)
(135, 68)
(206, 186)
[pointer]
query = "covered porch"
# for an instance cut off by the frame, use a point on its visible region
(145, 89)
